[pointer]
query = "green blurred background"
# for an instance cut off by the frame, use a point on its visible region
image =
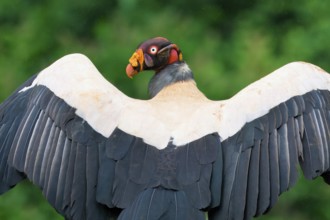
(228, 44)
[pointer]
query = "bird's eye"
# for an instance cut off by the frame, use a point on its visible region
(153, 49)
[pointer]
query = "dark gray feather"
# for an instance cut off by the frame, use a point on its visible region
(41, 151)
(284, 162)
(79, 189)
(293, 151)
(238, 200)
(32, 152)
(252, 191)
(264, 178)
(51, 187)
(62, 173)
(274, 168)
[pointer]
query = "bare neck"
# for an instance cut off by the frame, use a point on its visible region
(177, 72)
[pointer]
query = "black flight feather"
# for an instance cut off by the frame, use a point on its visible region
(264, 177)
(252, 191)
(283, 152)
(274, 168)
(238, 200)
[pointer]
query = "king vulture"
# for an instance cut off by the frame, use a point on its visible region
(98, 154)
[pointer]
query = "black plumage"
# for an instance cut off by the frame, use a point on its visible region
(263, 202)
(273, 157)
(252, 191)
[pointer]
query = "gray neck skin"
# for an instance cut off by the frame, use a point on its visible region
(173, 73)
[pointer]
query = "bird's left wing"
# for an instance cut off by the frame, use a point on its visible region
(55, 130)
(267, 129)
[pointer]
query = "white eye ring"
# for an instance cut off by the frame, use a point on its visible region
(153, 49)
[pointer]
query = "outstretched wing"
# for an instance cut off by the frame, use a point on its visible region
(267, 129)
(54, 130)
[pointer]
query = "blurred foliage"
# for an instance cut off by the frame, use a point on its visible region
(228, 44)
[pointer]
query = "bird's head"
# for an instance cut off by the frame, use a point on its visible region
(153, 54)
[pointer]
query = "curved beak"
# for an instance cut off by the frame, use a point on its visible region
(135, 63)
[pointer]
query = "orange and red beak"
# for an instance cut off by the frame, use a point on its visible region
(135, 63)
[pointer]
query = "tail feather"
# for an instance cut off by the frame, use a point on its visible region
(161, 204)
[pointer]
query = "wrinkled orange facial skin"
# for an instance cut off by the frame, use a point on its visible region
(135, 63)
